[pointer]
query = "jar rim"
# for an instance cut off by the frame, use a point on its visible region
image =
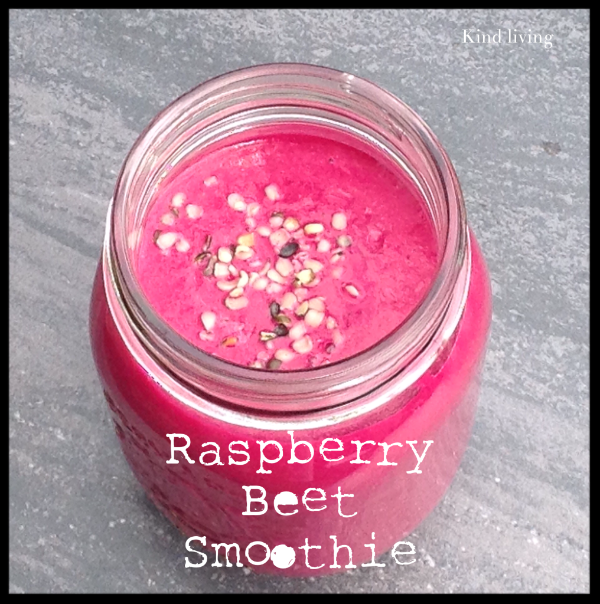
(304, 389)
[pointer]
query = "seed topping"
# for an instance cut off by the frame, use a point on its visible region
(193, 211)
(178, 200)
(209, 320)
(339, 221)
(236, 303)
(289, 249)
(165, 240)
(314, 228)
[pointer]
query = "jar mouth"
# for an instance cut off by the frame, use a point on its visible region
(246, 100)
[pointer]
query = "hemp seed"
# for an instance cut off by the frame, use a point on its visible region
(209, 320)
(193, 211)
(272, 192)
(339, 221)
(165, 240)
(314, 228)
(178, 200)
(314, 318)
(303, 345)
(352, 290)
(236, 303)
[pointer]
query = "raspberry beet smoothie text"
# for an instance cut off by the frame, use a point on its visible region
(286, 503)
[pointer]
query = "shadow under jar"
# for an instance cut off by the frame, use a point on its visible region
(417, 382)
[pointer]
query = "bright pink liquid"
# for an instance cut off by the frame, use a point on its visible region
(390, 259)
(209, 501)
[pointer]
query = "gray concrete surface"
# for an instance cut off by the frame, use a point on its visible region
(514, 119)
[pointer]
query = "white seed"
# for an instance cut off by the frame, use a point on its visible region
(263, 231)
(279, 238)
(336, 257)
(284, 355)
(244, 279)
(207, 337)
(297, 331)
(166, 240)
(252, 278)
(331, 323)
(221, 270)
(239, 206)
(168, 219)
(288, 302)
(233, 271)
(314, 228)
(344, 241)
(314, 318)
(272, 192)
(265, 269)
(209, 320)
(225, 255)
(243, 252)
(314, 265)
(305, 277)
(260, 283)
(274, 288)
(236, 303)
(211, 181)
(276, 221)
(284, 266)
(178, 200)
(257, 364)
(290, 224)
(339, 221)
(235, 199)
(253, 209)
(303, 345)
(276, 276)
(246, 239)
(317, 304)
(182, 246)
(237, 292)
(193, 211)
(269, 345)
(251, 223)
(323, 246)
(336, 273)
(302, 309)
(226, 286)
(352, 290)
(337, 337)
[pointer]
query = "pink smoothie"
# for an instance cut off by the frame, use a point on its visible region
(286, 252)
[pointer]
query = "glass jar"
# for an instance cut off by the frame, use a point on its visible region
(420, 383)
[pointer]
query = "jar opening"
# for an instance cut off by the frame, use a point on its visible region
(255, 102)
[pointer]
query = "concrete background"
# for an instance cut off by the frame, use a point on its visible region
(514, 119)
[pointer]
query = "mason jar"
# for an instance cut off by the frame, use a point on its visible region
(417, 384)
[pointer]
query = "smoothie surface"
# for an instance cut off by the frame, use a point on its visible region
(286, 252)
